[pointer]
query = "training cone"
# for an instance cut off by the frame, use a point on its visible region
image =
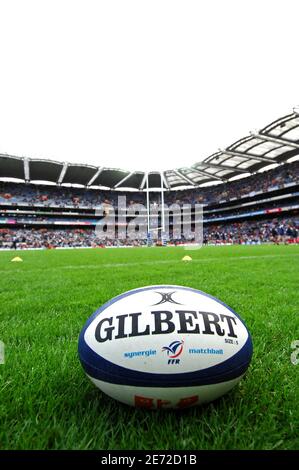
(17, 259)
(187, 258)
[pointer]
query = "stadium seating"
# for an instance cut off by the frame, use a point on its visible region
(257, 209)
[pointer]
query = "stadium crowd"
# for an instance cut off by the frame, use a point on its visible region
(263, 231)
(232, 212)
(264, 182)
(53, 238)
(275, 230)
(75, 197)
(258, 231)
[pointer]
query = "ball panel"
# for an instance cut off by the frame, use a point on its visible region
(177, 397)
(101, 369)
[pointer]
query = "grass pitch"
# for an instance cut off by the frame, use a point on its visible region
(47, 402)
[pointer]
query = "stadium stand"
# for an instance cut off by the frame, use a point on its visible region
(260, 206)
(48, 196)
(36, 216)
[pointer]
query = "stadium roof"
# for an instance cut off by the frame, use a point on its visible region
(274, 144)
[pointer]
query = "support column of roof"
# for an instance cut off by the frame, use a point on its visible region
(164, 179)
(62, 174)
(143, 180)
(123, 180)
(26, 170)
(97, 173)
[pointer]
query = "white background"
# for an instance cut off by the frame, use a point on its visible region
(142, 84)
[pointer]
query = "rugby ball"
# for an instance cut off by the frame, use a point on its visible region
(165, 347)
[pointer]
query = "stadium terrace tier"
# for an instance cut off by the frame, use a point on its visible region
(258, 209)
(110, 207)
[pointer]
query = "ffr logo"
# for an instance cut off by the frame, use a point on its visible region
(173, 361)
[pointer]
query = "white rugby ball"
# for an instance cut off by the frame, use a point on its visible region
(165, 347)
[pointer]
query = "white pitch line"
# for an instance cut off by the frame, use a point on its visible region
(145, 263)
(175, 261)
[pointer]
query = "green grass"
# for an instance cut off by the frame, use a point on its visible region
(47, 402)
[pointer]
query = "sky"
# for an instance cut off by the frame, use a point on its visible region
(142, 85)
